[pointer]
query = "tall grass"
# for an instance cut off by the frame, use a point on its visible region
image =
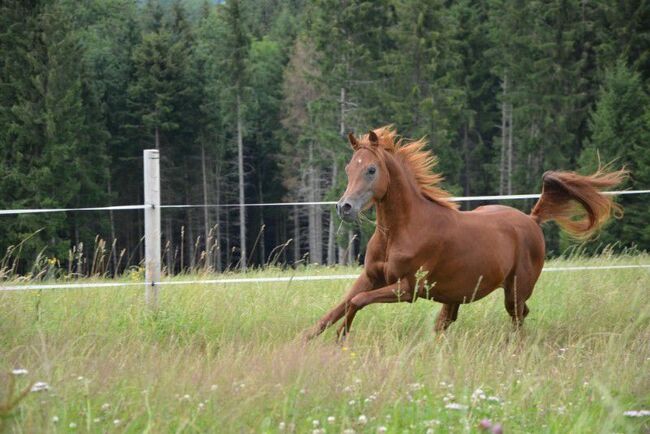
(225, 358)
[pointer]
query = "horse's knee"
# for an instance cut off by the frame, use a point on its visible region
(359, 301)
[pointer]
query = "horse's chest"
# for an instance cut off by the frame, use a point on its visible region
(389, 270)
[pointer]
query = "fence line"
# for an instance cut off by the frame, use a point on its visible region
(453, 199)
(48, 210)
(236, 205)
(152, 238)
(274, 279)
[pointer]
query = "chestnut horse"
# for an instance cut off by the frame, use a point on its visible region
(465, 255)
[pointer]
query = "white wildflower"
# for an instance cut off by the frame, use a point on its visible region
(455, 406)
(352, 402)
(478, 394)
(282, 426)
(106, 406)
(431, 422)
(348, 431)
(55, 419)
(116, 422)
(331, 419)
(636, 413)
(40, 386)
(72, 425)
(363, 419)
(315, 423)
(19, 371)
(214, 387)
(381, 429)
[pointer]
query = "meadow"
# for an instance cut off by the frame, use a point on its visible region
(226, 359)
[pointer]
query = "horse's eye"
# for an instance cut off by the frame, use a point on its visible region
(372, 170)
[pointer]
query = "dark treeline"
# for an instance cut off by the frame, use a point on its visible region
(252, 99)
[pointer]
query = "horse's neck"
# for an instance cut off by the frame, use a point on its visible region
(395, 210)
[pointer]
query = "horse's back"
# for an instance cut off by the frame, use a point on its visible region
(519, 228)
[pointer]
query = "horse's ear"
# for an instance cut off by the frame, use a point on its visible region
(353, 141)
(374, 140)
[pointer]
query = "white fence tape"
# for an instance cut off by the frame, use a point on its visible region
(453, 199)
(236, 205)
(273, 279)
(47, 210)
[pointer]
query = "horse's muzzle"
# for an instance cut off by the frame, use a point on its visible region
(346, 210)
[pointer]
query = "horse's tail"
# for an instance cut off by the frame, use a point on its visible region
(576, 202)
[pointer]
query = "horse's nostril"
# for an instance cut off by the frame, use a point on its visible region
(346, 208)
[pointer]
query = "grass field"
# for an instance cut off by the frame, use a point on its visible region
(225, 359)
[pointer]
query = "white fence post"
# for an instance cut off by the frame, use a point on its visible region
(151, 225)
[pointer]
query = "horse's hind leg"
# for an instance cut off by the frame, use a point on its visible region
(448, 314)
(518, 289)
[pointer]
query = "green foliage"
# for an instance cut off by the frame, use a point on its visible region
(85, 87)
(620, 133)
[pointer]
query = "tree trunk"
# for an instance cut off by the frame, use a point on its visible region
(342, 249)
(351, 259)
(169, 254)
(261, 210)
(240, 167)
(342, 114)
(283, 237)
(296, 234)
(502, 161)
(331, 236)
(510, 151)
(342, 254)
(228, 235)
(217, 236)
(466, 189)
(206, 217)
(191, 254)
(112, 223)
(315, 216)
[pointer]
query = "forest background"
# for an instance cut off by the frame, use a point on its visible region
(250, 101)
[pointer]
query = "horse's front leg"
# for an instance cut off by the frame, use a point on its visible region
(363, 283)
(397, 292)
(447, 315)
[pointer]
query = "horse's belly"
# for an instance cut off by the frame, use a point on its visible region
(464, 284)
(464, 293)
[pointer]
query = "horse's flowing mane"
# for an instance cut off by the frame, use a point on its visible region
(418, 160)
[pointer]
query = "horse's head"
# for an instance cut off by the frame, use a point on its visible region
(367, 177)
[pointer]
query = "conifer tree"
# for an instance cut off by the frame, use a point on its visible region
(620, 134)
